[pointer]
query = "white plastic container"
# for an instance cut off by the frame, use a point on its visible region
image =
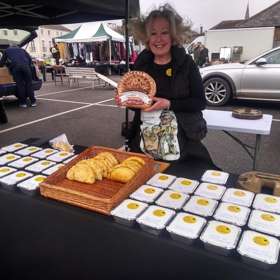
(155, 219)
(210, 190)
(201, 206)
(23, 162)
(258, 249)
(69, 159)
(52, 169)
(161, 180)
(2, 152)
(238, 196)
(60, 156)
(184, 185)
(215, 176)
(6, 170)
(172, 199)
(186, 227)
(220, 237)
(11, 180)
(30, 186)
(232, 213)
(44, 153)
(268, 203)
(14, 147)
(127, 212)
(265, 222)
(6, 158)
(146, 193)
(39, 166)
(28, 151)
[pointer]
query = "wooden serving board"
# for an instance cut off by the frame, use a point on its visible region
(102, 196)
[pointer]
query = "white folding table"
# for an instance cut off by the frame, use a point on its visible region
(223, 120)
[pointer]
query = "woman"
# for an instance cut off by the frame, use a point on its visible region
(180, 95)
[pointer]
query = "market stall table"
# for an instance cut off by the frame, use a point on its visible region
(223, 120)
(46, 239)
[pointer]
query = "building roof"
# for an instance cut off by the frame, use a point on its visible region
(268, 17)
(56, 27)
(227, 24)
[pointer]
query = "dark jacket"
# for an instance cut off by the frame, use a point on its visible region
(187, 97)
(14, 56)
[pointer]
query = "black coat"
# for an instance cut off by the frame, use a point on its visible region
(187, 98)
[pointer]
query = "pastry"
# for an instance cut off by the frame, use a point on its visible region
(122, 174)
(137, 88)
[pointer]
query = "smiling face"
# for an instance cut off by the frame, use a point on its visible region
(160, 38)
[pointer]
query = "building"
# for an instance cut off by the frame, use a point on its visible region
(40, 46)
(244, 39)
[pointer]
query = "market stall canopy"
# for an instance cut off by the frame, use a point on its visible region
(91, 32)
(16, 13)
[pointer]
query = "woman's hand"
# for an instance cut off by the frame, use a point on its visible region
(117, 98)
(159, 104)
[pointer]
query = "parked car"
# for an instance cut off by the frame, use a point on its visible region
(256, 79)
(20, 37)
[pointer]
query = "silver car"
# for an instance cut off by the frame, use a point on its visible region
(256, 79)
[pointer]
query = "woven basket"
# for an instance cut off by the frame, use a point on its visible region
(137, 81)
(104, 195)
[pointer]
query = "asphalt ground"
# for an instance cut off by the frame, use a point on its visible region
(89, 117)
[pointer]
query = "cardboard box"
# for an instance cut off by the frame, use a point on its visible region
(5, 76)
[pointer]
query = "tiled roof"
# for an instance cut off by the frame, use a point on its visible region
(266, 18)
(56, 27)
(227, 24)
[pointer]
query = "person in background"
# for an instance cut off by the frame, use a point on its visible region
(196, 50)
(19, 63)
(180, 95)
(55, 53)
(202, 58)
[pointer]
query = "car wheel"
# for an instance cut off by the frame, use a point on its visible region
(217, 91)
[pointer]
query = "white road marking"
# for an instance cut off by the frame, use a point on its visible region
(67, 90)
(276, 120)
(106, 105)
(46, 118)
(100, 102)
(65, 101)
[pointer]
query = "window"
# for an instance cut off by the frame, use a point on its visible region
(49, 32)
(5, 32)
(32, 46)
(50, 44)
(273, 58)
(57, 33)
(15, 32)
(44, 49)
(42, 31)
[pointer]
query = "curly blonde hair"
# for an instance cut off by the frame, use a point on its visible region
(180, 32)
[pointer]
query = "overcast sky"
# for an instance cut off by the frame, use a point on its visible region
(208, 13)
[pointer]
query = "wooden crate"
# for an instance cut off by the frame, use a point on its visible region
(104, 195)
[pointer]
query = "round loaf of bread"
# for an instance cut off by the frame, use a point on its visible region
(136, 89)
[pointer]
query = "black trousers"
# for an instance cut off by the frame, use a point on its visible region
(23, 78)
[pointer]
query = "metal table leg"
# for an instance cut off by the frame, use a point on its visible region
(3, 115)
(256, 151)
(252, 151)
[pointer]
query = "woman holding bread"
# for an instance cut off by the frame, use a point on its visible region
(172, 127)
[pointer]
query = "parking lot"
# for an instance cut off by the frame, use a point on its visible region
(89, 117)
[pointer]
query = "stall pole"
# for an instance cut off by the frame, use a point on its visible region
(127, 68)
(110, 56)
